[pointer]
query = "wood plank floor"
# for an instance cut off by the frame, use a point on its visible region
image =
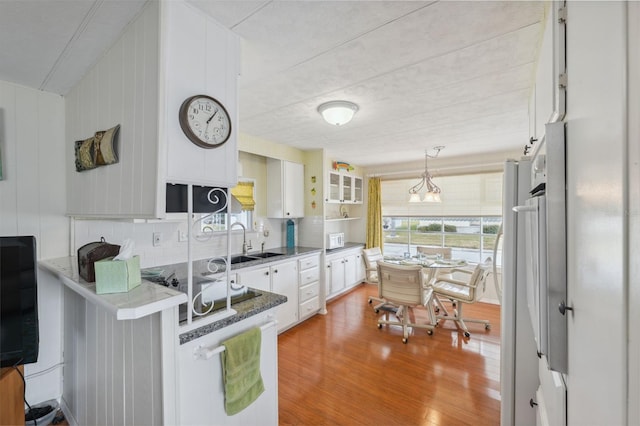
(340, 369)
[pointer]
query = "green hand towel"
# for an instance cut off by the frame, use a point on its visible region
(241, 370)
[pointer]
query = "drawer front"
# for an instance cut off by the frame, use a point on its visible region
(309, 276)
(309, 262)
(309, 307)
(309, 291)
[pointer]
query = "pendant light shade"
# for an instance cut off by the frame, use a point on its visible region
(338, 112)
(433, 191)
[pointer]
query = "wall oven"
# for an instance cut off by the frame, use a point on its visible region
(545, 221)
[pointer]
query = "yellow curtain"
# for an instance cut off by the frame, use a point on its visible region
(374, 215)
(243, 192)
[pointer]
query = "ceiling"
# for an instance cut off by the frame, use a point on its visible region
(424, 73)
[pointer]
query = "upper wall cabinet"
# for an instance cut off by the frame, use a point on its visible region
(344, 188)
(171, 52)
(285, 189)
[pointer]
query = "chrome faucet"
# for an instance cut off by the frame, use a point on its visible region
(245, 247)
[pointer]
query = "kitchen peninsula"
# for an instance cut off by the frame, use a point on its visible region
(131, 347)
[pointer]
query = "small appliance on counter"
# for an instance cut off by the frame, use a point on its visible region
(335, 240)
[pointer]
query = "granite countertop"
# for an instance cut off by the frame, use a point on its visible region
(201, 267)
(244, 310)
(347, 246)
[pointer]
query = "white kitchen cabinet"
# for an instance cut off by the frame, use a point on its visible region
(258, 278)
(361, 271)
(285, 189)
(344, 188)
(284, 280)
(343, 271)
(280, 278)
(309, 286)
(170, 52)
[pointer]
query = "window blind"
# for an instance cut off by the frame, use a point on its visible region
(474, 194)
(243, 192)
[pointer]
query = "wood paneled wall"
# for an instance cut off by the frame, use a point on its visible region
(33, 202)
(123, 88)
(113, 368)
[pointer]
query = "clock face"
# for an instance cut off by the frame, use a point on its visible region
(205, 121)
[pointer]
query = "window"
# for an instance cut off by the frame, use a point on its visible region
(471, 238)
(467, 219)
(243, 198)
(217, 222)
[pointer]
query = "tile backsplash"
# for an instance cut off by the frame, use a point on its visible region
(171, 249)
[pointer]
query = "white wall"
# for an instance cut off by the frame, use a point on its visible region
(597, 188)
(33, 202)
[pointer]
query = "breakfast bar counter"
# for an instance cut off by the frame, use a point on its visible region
(146, 299)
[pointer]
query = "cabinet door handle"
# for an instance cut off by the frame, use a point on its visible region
(563, 308)
(266, 273)
(275, 271)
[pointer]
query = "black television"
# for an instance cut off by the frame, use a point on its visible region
(19, 335)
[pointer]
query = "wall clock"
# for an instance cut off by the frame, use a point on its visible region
(205, 121)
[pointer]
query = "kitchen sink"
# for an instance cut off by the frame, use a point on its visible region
(265, 254)
(242, 258)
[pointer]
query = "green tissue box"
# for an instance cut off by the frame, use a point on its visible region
(117, 276)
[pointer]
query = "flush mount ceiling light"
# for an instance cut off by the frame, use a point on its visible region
(338, 112)
(433, 191)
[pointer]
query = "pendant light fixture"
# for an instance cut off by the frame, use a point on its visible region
(338, 112)
(433, 191)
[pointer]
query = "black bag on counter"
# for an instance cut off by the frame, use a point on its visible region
(90, 253)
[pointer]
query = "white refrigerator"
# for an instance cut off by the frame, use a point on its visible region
(519, 362)
(534, 312)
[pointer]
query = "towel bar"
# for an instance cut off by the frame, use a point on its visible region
(204, 353)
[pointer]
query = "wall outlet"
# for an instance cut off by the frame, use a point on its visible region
(157, 239)
(182, 236)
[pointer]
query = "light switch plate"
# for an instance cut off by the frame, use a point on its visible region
(157, 239)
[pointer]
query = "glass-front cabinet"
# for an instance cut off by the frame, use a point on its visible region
(344, 188)
(335, 188)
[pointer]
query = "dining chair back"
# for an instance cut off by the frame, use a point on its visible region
(461, 291)
(403, 285)
(371, 257)
(445, 252)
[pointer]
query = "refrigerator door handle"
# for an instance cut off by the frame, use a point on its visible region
(496, 281)
(520, 209)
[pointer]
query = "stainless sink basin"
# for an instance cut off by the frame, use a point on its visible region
(265, 255)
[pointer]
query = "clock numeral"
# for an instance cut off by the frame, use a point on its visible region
(195, 111)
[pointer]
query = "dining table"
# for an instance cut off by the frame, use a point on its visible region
(432, 264)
